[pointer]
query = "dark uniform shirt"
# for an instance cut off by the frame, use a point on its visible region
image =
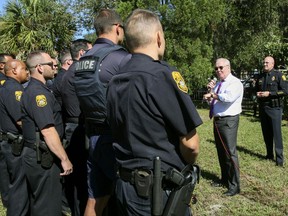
(274, 82)
(10, 110)
(68, 94)
(2, 78)
(57, 85)
(148, 110)
(40, 109)
(112, 63)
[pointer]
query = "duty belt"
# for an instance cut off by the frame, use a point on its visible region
(3, 137)
(74, 120)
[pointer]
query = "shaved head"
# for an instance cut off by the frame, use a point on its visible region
(16, 69)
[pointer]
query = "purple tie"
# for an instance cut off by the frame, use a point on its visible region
(213, 101)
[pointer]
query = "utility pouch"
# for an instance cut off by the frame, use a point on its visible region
(143, 182)
(47, 158)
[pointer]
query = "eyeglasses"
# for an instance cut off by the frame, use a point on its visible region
(266, 62)
(220, 67)
(117, 24)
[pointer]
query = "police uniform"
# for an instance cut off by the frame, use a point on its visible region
(270, 112)
(149, 108)
(75, 183)
(4, 175)
(101, 161)
(40, 109)
(10, 113)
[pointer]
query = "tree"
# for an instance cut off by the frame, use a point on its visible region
(35, 24)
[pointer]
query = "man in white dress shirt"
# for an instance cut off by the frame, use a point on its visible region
(225, 100)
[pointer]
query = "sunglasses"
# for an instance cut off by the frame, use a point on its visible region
(51, 64)
(220, 67)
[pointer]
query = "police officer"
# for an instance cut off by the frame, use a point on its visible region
(4, 175)
(150, 114)
(271, 87)
(101, 162)
(10, 121)
(43, 153)
(76, 183)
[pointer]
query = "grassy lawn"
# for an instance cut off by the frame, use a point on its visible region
(264, 188)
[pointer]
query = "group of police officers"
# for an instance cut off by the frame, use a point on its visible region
(50, 155)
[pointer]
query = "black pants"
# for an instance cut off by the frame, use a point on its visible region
(271, 119)
(225, 134)
(75, 184)
(4, 175)
(44, 186)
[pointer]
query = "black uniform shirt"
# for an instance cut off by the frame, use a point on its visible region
(148, 110)
(10, 109)
(2, 78)
(68, 94)
(275, 83)
(40, 109)
(57, 85)
(112, 63)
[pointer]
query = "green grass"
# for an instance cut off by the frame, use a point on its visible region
(264, 189)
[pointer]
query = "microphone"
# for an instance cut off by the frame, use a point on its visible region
(210, 79)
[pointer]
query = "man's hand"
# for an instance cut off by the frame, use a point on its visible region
(67, 167)
(263, 94)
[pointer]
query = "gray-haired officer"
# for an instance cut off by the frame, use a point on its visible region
(43, 153)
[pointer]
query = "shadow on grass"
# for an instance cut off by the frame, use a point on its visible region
(209, 175)
(247, 151)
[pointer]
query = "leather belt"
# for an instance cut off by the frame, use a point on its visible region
(30, 145)
(216, 118)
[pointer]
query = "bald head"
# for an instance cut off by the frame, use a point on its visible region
(3, 59)
(16, 69)
(269, 63)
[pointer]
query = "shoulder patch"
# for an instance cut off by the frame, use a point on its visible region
(41, 100)
(2, 82)
(18, 95)
(284, 77)
(179, 81)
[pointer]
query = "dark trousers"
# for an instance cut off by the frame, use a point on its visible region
(17, 186)
(271, 119)
(4, 174)
(225, 134)
(44, 186)
(75, 184)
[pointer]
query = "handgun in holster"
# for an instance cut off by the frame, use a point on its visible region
(180, 197)
(16, 142)
(43, 153)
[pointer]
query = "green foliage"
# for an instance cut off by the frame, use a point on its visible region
(35, 24)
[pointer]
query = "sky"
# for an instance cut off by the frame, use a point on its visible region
(2, 3)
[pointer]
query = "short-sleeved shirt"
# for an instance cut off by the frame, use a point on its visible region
(40, 109)
(149, 109)
(10, 109)
(70, 101)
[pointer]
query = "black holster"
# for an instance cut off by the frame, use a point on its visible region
(17, 143)
(180, 197)
(43, 153)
